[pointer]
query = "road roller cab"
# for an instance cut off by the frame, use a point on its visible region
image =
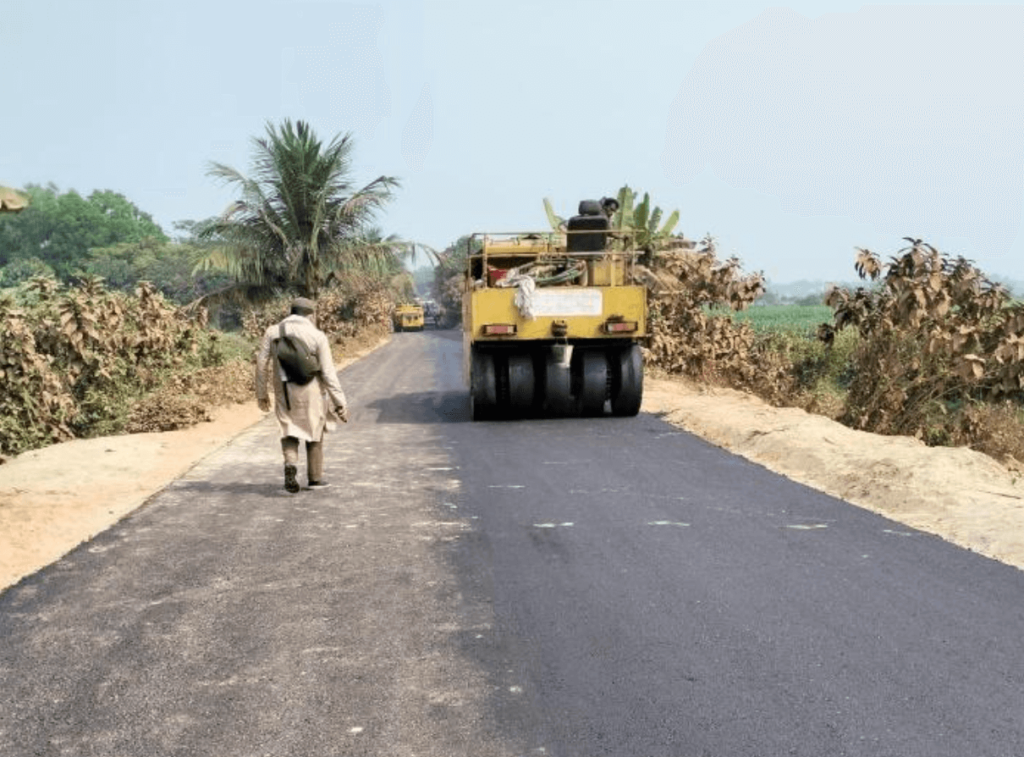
(552, 322)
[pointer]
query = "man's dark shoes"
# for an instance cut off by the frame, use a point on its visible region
(318, 484)
(291, 482)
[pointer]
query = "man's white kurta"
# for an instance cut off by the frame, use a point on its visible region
(311, 406)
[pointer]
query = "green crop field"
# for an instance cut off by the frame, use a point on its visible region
(789, 318)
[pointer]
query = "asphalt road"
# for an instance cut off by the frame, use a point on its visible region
(549, 587)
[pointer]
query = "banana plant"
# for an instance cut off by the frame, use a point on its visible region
(638, 221)
(642, 221)
(556, 221)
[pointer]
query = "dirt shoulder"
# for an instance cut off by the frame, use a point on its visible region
(55, 498)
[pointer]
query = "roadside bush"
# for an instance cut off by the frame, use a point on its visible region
(687, 285)
(937, 337)
(820, 373)
(22, 270)
(344, 310)
(74, 359)
(166, 411)
(931, 349)
(188, 397)
(997, 429)
(231, 346)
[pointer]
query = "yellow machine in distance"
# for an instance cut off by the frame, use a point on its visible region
(408, 318)
(552, 322)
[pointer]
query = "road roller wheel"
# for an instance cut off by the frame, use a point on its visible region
(558, 398)
(483, 392)
(521, 384)
(595, 379)
(628, 383)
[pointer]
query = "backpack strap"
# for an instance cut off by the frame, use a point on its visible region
(284, 378)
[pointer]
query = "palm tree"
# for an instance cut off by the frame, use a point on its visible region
(370, 251)
(375, 256)
(299, 219)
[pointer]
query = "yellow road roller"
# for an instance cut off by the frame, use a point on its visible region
(408, 318)
(553, 322)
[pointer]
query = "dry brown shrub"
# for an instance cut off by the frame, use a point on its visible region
(684, 283)
(82, 361)
(828, 404)
(35, 406)
(344, 309)
(348, 346)
(166, 411)
(232, 382)
(938, 353)
(937, 337)
(73, 356)
(187, 398)
(997, 429)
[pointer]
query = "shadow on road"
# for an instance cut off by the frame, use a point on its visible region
(423, 407)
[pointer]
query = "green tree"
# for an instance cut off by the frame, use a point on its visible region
(299, 218)
(167, 265)
(449, 272)
(60, 229)
(372, 251)
(379, 258)
(22, 270)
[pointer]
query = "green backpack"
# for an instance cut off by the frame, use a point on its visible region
(299, 364)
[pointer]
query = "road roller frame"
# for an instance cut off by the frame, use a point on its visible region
(550, 330)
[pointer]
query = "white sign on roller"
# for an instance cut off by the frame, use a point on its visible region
(567, 302)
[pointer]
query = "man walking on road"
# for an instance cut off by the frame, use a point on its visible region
(304, 410)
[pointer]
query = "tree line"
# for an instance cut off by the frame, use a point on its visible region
(66, 236)
(299, 223)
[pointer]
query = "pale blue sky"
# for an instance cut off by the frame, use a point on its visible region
(792, 133)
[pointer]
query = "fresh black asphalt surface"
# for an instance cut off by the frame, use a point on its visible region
(567, 588)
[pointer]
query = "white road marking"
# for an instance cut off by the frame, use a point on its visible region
(666, 523)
